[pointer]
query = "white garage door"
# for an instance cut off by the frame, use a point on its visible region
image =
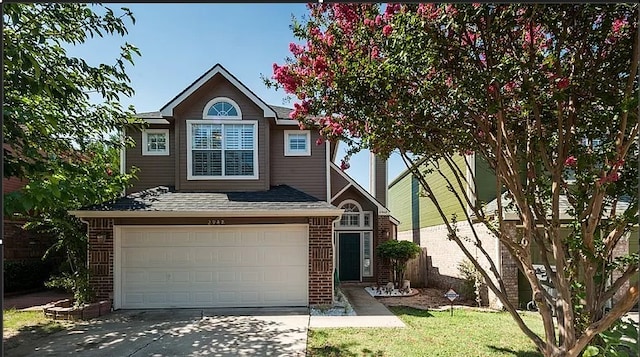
(212, 266)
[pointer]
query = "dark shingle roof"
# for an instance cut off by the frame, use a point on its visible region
(282, 112)
(163, 199)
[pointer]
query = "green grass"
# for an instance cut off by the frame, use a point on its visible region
(431, 333)
(15, 321)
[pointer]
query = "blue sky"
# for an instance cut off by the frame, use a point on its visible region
(179, 42)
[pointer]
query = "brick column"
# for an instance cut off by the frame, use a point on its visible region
(320, 261)
(383, 268)
(100, 258)
(509, 267)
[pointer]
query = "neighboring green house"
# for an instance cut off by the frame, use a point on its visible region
(421, 223)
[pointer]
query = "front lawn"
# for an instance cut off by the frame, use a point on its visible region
(431, 333)
(15, 321)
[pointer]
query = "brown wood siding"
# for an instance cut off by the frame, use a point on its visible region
(353, 194)
(228, 221)
(337, 182)
(152, 170)
(304, 173)
(192, 108)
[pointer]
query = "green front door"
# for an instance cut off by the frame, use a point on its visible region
(349, 259)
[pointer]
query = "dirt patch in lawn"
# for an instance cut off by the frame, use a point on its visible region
(427, 298)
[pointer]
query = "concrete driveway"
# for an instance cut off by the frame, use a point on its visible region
(177, 332)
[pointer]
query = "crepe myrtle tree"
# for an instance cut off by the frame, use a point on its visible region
(547, 95)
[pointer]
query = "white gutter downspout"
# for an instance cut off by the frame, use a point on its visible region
(327, 161)
(123, 157)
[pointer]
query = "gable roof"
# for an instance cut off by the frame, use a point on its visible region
(382, 210)
(167, 109)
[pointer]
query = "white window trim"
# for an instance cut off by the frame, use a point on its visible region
(361, 214)
(217, 100)
(371, 254)
(287, 149)
(190, 175)
(145, 150)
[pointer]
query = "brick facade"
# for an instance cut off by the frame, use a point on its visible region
(24, 245)
(383, 234)
(320, 261)
(100, 258)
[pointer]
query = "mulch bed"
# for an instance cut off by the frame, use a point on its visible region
(427, 299)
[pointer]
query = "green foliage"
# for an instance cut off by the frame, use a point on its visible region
(620, 340)
(472, 281)
(25, 275)
(399, 253)
(55, 105)
(60, 114)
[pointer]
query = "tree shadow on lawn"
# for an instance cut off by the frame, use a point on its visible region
(516, 353)
(329, 349)
(410, 311)
(28, 333)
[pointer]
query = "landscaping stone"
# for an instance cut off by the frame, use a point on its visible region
(64, 310)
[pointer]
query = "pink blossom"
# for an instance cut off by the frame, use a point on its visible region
(320, 141)
(386, 30)
(329, 39)
(378, 20)
(469, 38)
(475, 5)
(296, 49)
(618, 24)
(449, 81)
(563, 83)
(480, 134)
(344, 165)
(451, 10)
(468, 152)
(510, 86)
(430, 11)
(571, 161)
(375, 52)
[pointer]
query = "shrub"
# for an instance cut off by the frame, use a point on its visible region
(399, 253)
(25, 274)
(472, 281)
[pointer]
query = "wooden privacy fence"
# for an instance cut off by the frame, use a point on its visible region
(417, 270)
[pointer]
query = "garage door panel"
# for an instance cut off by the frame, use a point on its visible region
(214, 267)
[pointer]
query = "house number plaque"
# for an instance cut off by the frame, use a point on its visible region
(215, 222)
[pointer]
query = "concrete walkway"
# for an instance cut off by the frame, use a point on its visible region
(370, 312)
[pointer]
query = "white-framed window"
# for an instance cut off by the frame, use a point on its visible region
(354, 217)
(367, 254)
(221, 108)
(155, 142)
(222, 149)
(297, 143)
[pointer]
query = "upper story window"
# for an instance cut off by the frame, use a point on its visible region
(296, 143)
(155, 142)
(354, 217)
(225, 150)
(221, 108)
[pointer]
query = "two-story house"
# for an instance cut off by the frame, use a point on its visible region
(234, 206)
